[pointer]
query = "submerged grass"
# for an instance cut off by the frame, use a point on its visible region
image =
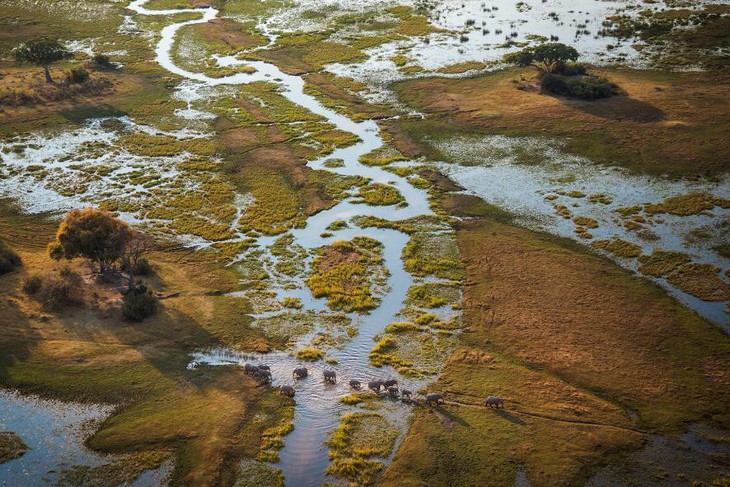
(353, 444)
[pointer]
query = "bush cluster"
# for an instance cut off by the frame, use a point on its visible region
(102, 60)
(77, 76)
(139, 303)
(583, 87)
(55, 290)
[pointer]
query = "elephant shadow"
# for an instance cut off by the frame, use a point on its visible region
(509, 416)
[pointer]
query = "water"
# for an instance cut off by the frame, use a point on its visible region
(54, 432)
(488, 168)
(304, 457)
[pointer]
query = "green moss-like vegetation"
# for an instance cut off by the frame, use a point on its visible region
(462, 67)
(619, 247)
(662, 262)
(11, 446)
(429, 254)
(290, 302)
(255, 474)
(352, 399)
(399, 327)
(377, 222)
(282, 328)
(337, 225)
(345, 273)
(687, 204)
(432, 295)
(272, 439)
(358, 439)
(378, 194)
(310, 353)
(701, 280)
(600, 198)
(585, 221)
(112, 474)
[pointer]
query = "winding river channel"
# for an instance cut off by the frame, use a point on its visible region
(304, 458)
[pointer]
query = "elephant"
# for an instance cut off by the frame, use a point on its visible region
(330, 376)
(355, 384)
(390, 383)
(288, 391)
(494, 402)
(264, 367)
(406, 394)
(250, 369)
(262, 376)
(434, 398)
(393, 391)
(375, 385)
(300, 373)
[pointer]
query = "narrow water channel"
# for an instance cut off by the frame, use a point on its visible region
(304, 457)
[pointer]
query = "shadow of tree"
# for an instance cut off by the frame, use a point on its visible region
(619, 108)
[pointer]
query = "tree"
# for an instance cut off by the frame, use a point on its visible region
(94, 234)
(135, 245)
(547, 57)
(42, 52)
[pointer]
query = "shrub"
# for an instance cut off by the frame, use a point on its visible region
(583, 87)
(143, 267)
(572, 69)
(57, 291)
(139, 303)
(9, 260)
(32, 284)
(77, 76)
(102, 60)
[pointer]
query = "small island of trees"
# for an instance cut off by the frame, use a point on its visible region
(559, 73)
(115, 254)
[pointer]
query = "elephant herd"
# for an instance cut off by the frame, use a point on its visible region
(262, 373)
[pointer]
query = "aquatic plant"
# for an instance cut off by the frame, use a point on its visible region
(310, 353)
(379, 194)
(357, 439)
(619, 247)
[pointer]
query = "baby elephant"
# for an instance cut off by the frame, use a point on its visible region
(300, 373)
(393, 391)
(330, 376)
(434, 398)
(406, 395)
(494, 402)
(288, 391)
(355, 384)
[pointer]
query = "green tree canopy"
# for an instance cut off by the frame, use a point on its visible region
(41, 52)
(545, 57)
(93, 234)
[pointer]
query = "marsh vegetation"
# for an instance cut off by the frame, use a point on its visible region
(235, 190)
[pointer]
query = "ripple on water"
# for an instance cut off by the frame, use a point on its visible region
(54, 432)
